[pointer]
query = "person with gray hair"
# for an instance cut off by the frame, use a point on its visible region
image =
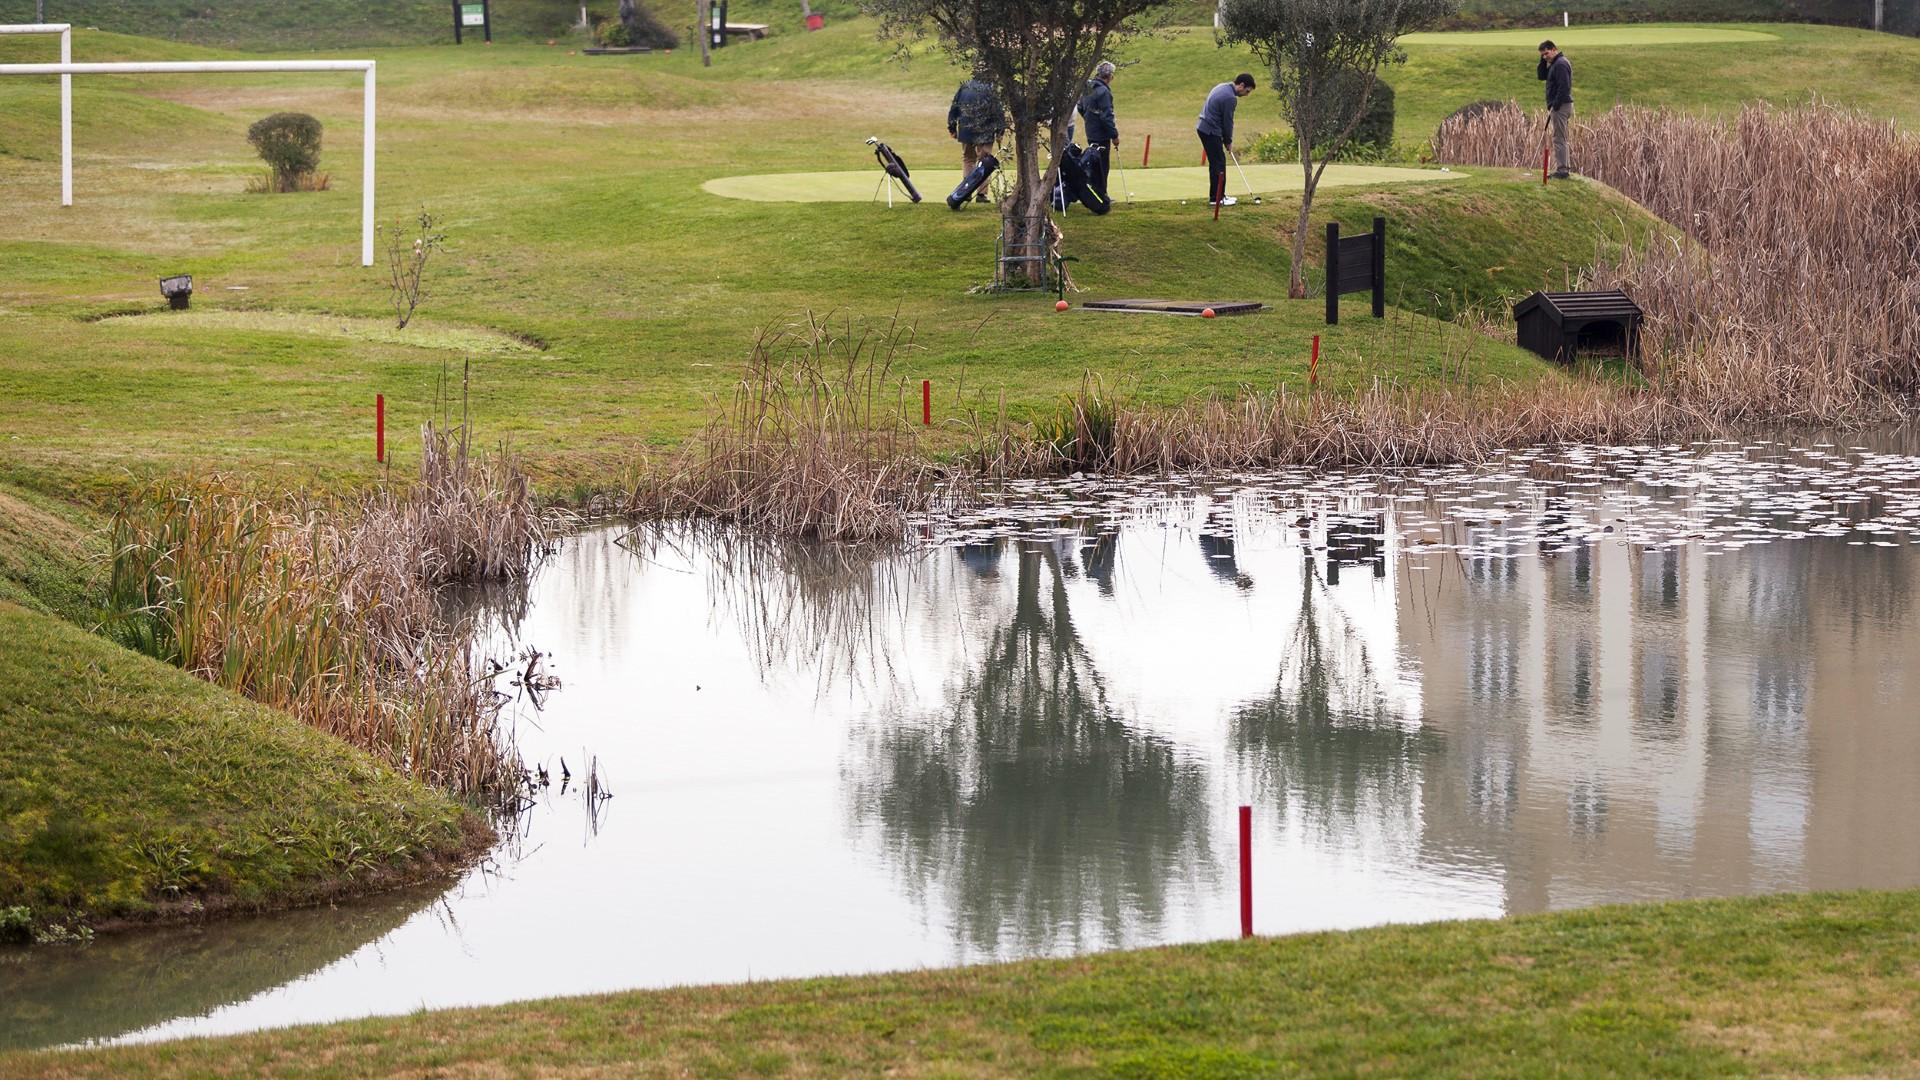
(1096, 111)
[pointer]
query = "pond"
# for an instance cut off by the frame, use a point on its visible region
(1566, 678)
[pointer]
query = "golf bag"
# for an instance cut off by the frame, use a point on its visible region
(1076, 171)
(973, 181)
(894, 165)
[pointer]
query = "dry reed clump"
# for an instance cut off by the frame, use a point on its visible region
(1795, 293)
(272, 183)
(327, 609)
(817, 443)
(1385, 426)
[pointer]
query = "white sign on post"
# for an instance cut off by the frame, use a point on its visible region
(473, 15)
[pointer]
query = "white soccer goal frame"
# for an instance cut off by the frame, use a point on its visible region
(66, 69)
(65, 30)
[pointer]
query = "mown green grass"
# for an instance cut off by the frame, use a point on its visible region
(130, 790)
(1785, 985)
(300, 24)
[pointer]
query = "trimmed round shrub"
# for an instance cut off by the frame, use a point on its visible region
(290, 145)
(1375, 130)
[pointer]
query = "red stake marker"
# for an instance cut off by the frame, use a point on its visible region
(926, 402)
(1146, 152)
(1246, 871)
(1313, 365)
(380, 427)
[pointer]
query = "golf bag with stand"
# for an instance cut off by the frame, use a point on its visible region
(1077, 167)
(894, 165)
(973, 181)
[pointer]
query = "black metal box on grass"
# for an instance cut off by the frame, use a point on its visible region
(178, 290)
(1560, 326)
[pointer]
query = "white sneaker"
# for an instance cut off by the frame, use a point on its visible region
(1228, 201)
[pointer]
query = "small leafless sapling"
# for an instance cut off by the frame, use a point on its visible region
(407, 264)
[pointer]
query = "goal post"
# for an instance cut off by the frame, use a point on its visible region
(66, 69)
(65, 30)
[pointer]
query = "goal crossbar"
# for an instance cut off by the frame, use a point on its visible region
(66, 69)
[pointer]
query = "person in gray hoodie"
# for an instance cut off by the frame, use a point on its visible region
(1096, 109)
(1216, 133)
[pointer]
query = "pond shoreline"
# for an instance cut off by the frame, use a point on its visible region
(1821, 984)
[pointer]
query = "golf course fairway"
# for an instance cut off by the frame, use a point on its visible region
(1574, 37)
(1147, 185)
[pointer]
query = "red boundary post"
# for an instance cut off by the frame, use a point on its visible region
(926, 402)
(380, 427)
(1146, 152)
(1313, 365)
(1246, 871)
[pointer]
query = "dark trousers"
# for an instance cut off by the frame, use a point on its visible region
(1097, 176)
(1216, 165)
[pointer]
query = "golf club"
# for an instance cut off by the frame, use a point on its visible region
(1243, 177)
(1124, 183)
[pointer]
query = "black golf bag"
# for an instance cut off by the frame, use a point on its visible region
(895, 166)
(973, 181)
(1077, 168)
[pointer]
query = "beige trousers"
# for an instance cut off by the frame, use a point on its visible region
(970, 155)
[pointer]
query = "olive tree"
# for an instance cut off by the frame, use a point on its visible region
(1325, 56)
(1038, 54)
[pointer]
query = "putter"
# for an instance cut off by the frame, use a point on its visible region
(1243, 178)
(1124, 183)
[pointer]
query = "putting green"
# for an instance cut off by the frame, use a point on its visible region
(1589, 37)
(1147, 185)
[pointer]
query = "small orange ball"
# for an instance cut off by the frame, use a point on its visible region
(1060, 305)
(1207, 313)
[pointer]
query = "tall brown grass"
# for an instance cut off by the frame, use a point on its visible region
(1790, 289)
(1387, 425)
(327, 608)
(817, 442)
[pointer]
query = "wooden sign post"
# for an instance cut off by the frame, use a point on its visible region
(1356, 264)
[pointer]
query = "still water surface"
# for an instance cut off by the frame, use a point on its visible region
(1567, 679)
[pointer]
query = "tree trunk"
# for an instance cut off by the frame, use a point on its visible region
(1296, 273)
(1026, 220)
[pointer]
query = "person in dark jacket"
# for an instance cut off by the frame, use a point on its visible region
(1216, 133)
(1557, 72)
(976, 119)
(1096, 111)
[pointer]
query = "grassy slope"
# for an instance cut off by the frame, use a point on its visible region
(51, 552)
(129, 788)
(1791, 985)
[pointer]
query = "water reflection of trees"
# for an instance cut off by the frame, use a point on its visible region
(1034, 814)
(1326, 750)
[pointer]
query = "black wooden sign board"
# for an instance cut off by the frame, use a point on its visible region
(1356, 264)
(472, 15)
